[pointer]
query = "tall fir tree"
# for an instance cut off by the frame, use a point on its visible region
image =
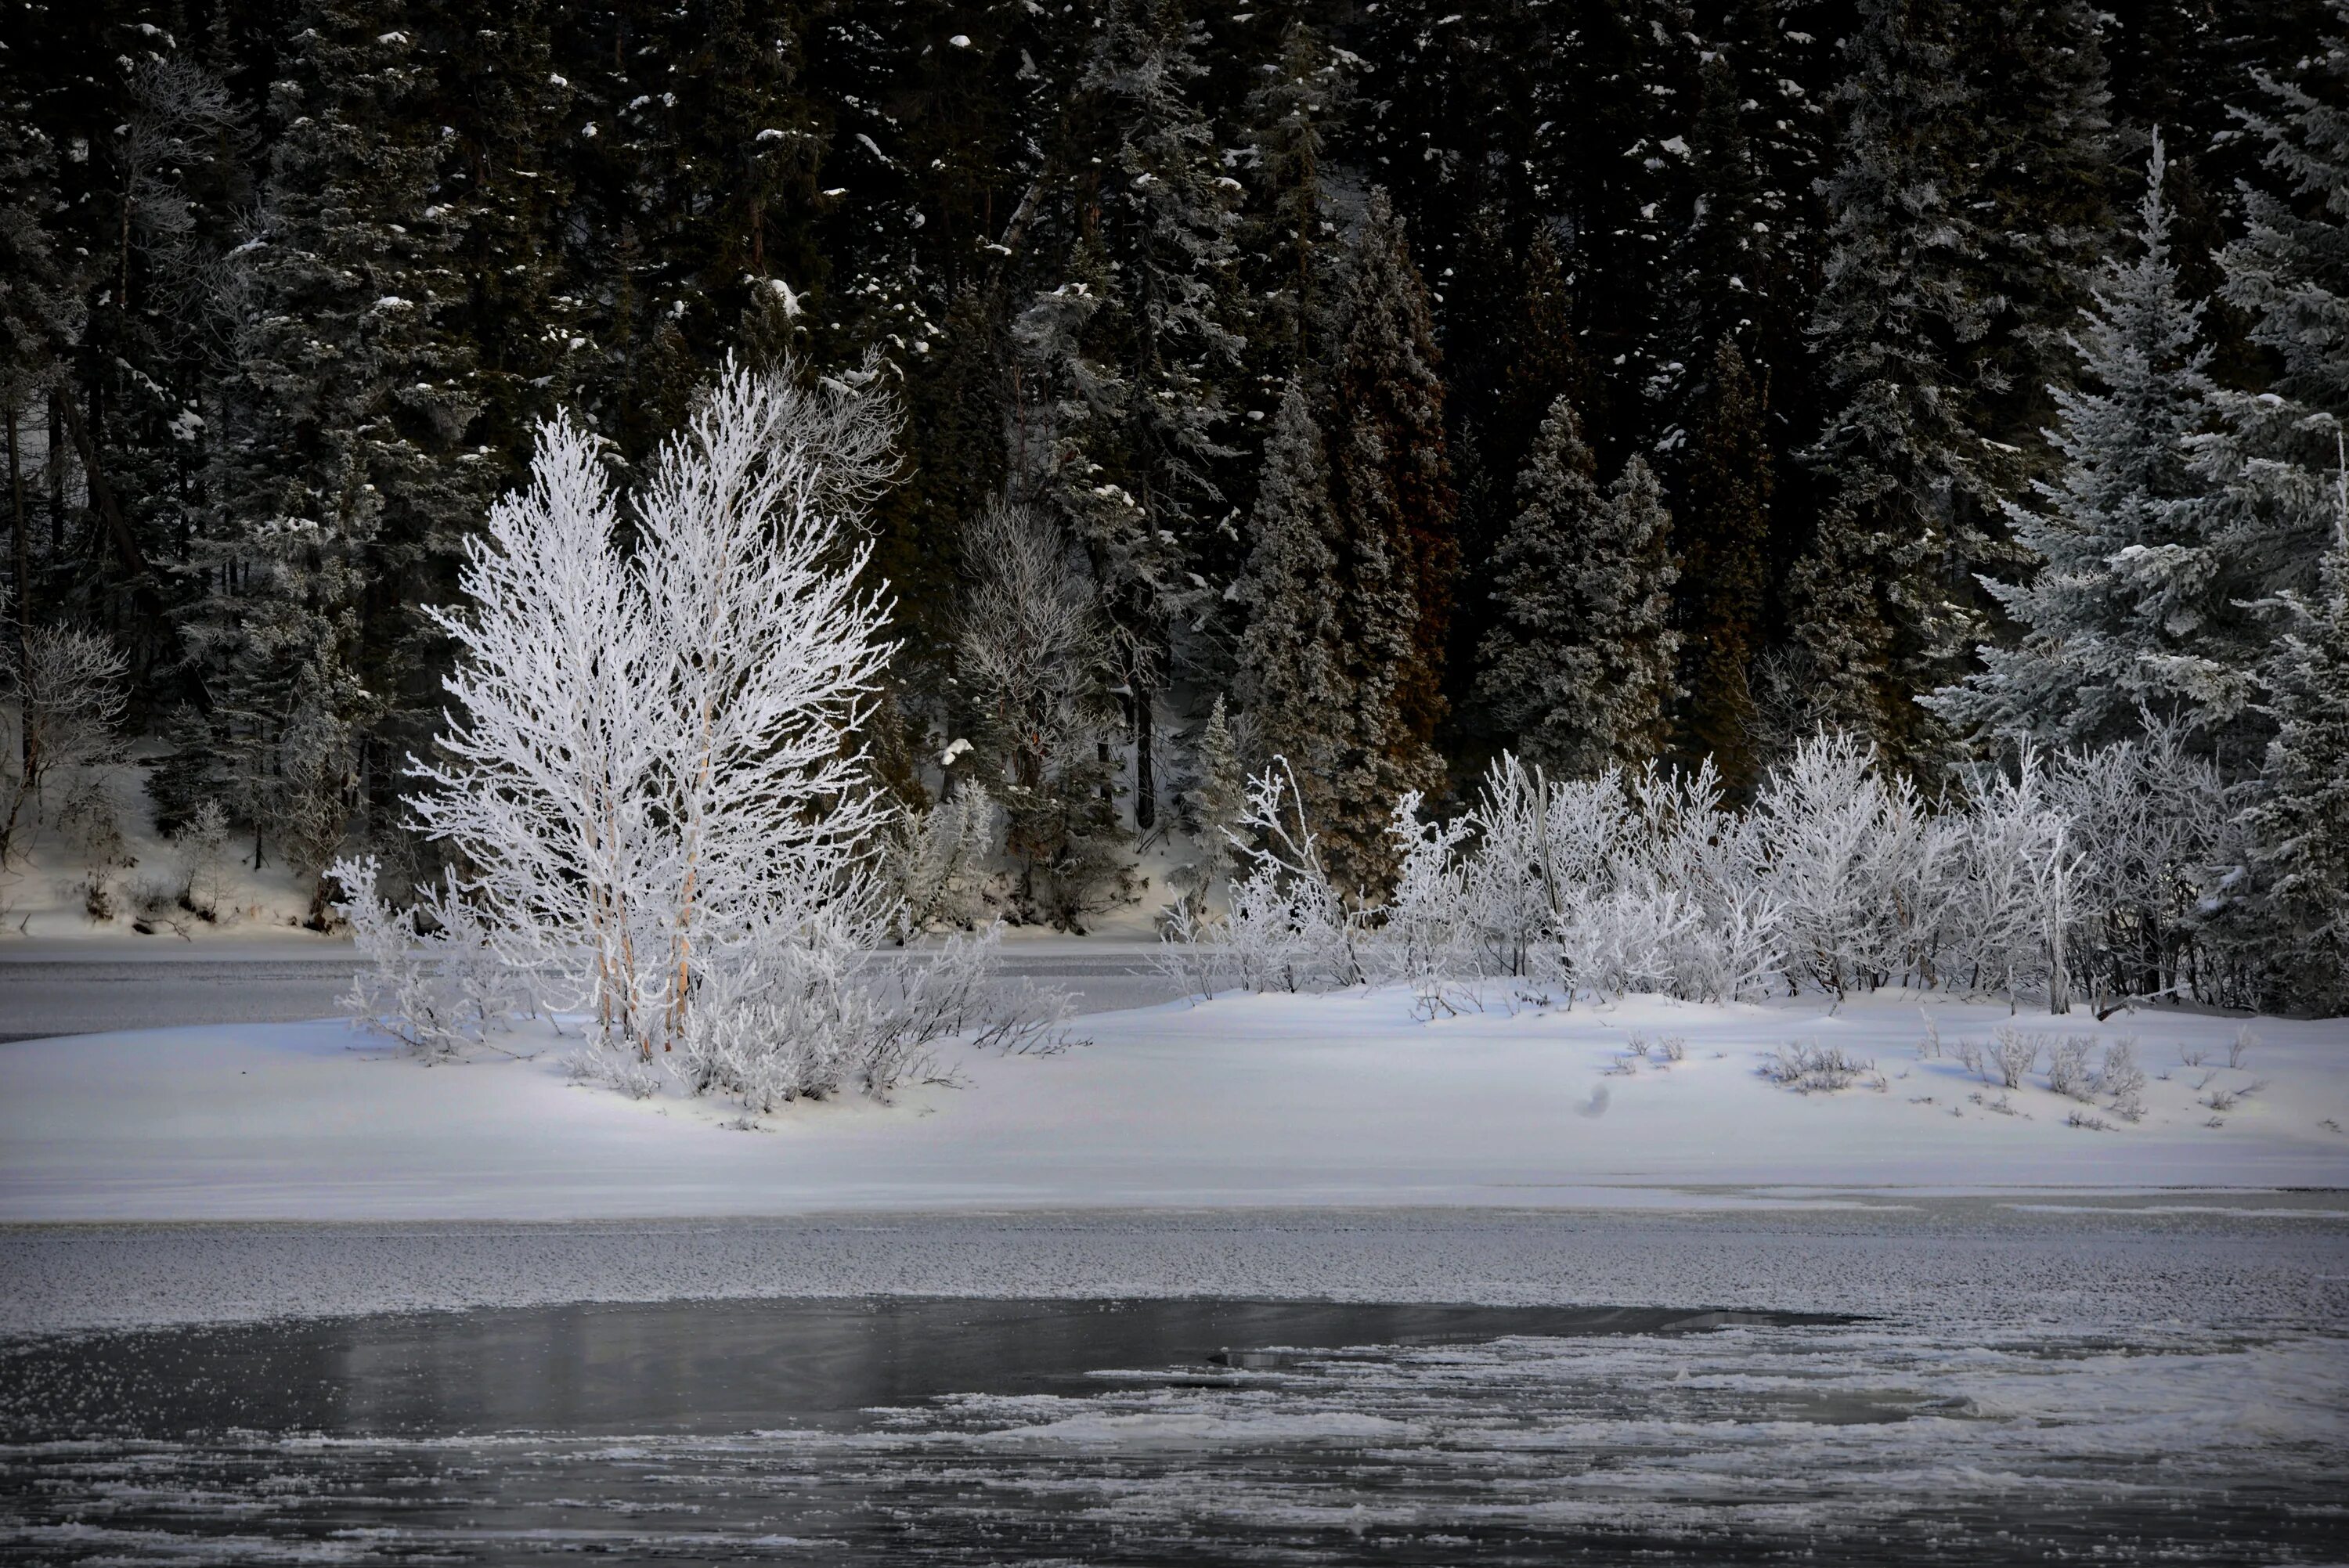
(1578, 663)
(1391, 472)
(343, 485)
(1291, 666)
(2131, 609)
(2267, 465)
(2041, 174)
(1878, 606)
(1724, 532)
(1136, 349)
(2300, 826)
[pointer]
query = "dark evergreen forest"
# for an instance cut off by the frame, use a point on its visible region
(1380, 386)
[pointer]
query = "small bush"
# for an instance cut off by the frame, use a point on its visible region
(2093, 1123)
(2121, 1081)
(200, 852)
(90, 823)
(1813, 1069)
(96, 894)
(2238, 1050)
(2014, 1054)
(2067, 1066)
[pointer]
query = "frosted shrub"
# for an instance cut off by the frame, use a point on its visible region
(2067, 1066)
(1432, 932)
(1809, 1067)
(199, 858)
(1288, 928)
(937, 862)
(1839, 876)
(814, 1014)
(2014, 1054)
(1843, 851)
(438, 983)
(2121, 1081)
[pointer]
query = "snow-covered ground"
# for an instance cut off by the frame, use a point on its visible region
(1345, 1099)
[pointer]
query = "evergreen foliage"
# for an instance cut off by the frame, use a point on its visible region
(1579, 664)
(1723, 534)
(2129, 603)
(2301, 825)
(1258, 320)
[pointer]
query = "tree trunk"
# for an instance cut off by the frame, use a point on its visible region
(56, 474)
(24, 571)
(1145, 777)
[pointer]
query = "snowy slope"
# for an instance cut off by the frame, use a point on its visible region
(1271, 1100)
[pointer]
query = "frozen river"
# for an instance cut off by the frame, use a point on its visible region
(1959, 1383)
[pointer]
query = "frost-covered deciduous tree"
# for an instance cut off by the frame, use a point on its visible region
(1041, 662)
(544, 779)
(66, 695)
(649, 764)
(2119, 620)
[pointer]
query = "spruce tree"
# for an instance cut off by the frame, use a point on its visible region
(1876, 604)
(2269, 465)
(2043, 176)
(2301, 825)
(1135, 349)
(1391, 473)
(1724, 531)
(1292, 664)
(1577, 665)
(1213, 807)
(343, 484)
(2130, 608)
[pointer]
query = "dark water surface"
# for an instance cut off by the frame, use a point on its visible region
(1172, 1431)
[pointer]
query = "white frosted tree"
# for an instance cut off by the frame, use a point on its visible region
(650, 768)
(544, 779)
(1579, 664)
(769, 653)
(2118, 621)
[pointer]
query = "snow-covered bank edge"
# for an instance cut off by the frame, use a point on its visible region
(1349, 1100)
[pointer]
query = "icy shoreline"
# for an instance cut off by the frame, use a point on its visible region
(2220, 1258)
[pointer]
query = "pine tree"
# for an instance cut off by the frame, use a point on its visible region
(2043, 175)
(2126, 614)
(2301, 825)
(343, 485)
(1391, 473)
(1289, 230)
(1875, 604)
(2268, 464)
(1724, 530)
(1579, 664)
(1290, 675)
(1135, 348)
(1213, 807)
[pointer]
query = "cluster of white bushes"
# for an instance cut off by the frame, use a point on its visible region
(2056, 878)
(647, 788)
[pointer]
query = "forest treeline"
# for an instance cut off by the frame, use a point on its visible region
(1379, 385)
